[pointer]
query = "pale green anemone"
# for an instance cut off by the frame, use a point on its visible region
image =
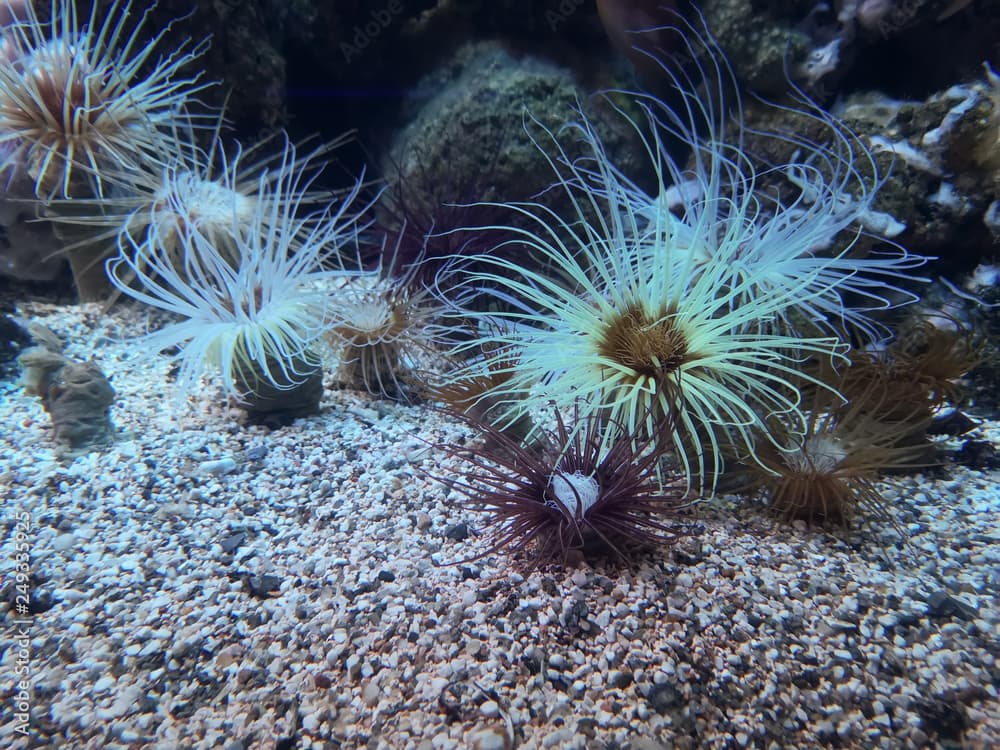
(674, 312)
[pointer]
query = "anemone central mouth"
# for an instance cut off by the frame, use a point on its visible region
(820, 454)
(63, 80)
(576, 492)
(651, 344)
(369, 319)
(209, 203)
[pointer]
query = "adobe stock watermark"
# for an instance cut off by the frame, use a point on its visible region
(562, 13)
(895, 16)
(21, 627)
(363, 34)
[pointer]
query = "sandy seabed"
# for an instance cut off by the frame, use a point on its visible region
(202, 583)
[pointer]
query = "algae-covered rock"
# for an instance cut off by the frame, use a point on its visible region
(78, 400)
(478, 134)
(762, 47)
(76, 395)
(475, 118)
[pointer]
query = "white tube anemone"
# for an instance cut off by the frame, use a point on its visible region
(261, 311)
(189, 187)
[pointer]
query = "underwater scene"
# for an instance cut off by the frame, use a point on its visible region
(525, 374)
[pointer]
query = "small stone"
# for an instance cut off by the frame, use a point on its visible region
(264, 587)
(227, 657)
(559, 738)
(322, 681)
(942, 604)
(490, 709)
(558, 661)
(353, 665)
(370, 694)
(458, 532)
(310, 723)
(619, 679)
(218, 467)
(231, 542)
(256, 452)
(664, 697)
(423, 521)
(488, 739)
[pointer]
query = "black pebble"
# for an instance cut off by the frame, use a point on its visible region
(942, 604)
(978, 454)
(256, 452)
(263, 587)
(232, 542)
(664, 697)
(952, 422)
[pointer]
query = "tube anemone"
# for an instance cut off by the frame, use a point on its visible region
(79, 98)
(717, 210)
(678, 308)
(382, 328)
(828, 473)
(189, 187)
(255, 320)
(567, 495)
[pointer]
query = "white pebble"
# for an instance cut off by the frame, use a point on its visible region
(219, 466)
(63, 542)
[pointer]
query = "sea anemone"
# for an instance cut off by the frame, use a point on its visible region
(936, 357)
(189, 187)
(567, 495)
(186, 187)
(921, 367)
(76, 99)
(256, 320)
(829, 472)
(770, 241)
(384, 325)
(675, 309)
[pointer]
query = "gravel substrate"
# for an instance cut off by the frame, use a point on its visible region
(206, 584)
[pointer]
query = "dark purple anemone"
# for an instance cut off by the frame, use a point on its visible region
(558, 498)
